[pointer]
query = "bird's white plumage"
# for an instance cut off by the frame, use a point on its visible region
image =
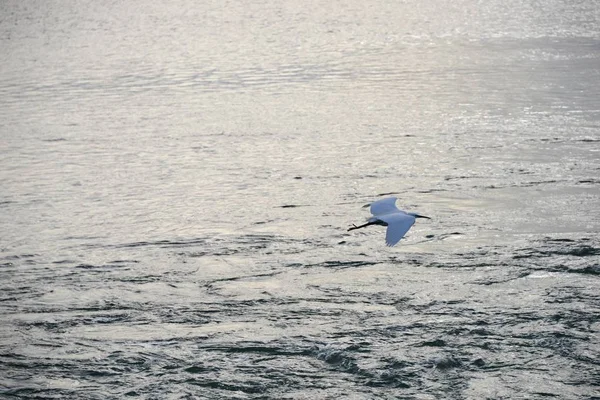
(384, 206)
(397, 225)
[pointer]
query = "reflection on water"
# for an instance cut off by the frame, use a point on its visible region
(177, 180)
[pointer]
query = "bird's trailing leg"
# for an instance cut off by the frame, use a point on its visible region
(363, 225)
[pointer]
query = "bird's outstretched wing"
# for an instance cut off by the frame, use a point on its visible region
(384, 206)
(398, 224)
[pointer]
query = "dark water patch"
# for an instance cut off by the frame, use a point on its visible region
(132, 361)
(577, 251)
(536, 183)
(561, 240)
(245, 387)
(589, 270)
(521, 184)
(108, 319)
(141, 279)
(185, 315)
(194, 254)
(20, 291)
(584, 270)
(99, 373)
(431, 191)
(107, 305)
(389, 375)
(460, 177)
(395, 373)
(565, 139)
(388, 379)
(442, 236)
(99, 267)
(338, 359)
(226, 245)
(262, 366)
(437, 304)
(244, 277)
(495, 280)
(588, 140)
(7, 265)
(408, 259)
(338, 264)
(589, 181)
(575, 258)
(433, 343)
(263, 222)
(163, 243)
(123, 262)
(14, 257)
(65, 261)
(551, 247)
(5, 203)
(230, 307)
(303, 312)
(570, 294)
(452, 264)
(52, 326)
(62, 323)
(479, 363)
(42, 394)
(267, 350)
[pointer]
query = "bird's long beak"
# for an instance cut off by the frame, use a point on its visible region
(421, 216)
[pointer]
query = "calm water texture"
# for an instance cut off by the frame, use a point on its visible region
(177, 179)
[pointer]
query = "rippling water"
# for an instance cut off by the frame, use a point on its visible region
(177, 180)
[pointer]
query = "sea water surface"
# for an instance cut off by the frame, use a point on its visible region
(177, 179)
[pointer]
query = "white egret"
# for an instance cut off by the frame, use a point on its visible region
(398, 222)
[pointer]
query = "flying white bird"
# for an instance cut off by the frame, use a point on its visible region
(398, 222)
